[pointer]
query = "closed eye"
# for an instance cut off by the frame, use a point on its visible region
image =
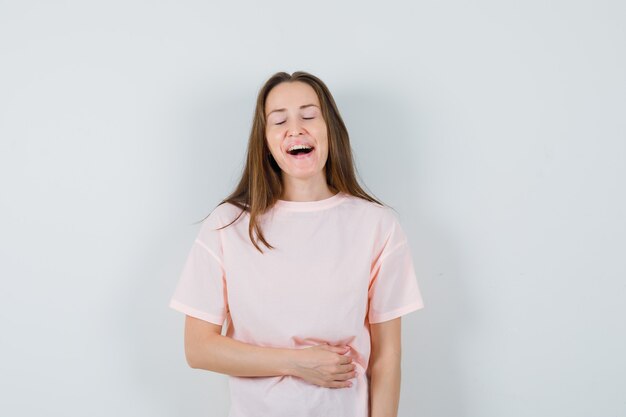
(305, 118)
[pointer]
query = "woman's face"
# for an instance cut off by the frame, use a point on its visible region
(294, 117)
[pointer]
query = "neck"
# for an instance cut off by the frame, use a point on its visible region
(310, 189)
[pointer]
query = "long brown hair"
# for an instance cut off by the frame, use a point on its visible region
(260, 184)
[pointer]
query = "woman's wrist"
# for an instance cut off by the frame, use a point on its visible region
(290, 361)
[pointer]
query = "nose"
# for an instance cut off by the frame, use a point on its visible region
(294, 129)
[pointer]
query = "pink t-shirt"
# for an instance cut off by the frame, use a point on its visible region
(338, 265)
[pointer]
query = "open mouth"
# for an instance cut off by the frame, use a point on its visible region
(301, 152)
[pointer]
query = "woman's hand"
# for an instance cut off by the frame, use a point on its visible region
(324, 365)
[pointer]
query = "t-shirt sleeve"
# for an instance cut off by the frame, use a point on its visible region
(201, 290)
(393, 289)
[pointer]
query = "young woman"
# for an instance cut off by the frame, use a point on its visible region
(313, 320)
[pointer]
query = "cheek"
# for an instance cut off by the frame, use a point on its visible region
(275, 133)
(320, 131)
(271, 138)
(323, 138)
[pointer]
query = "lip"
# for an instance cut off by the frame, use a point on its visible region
(302, 155)
(298, 142)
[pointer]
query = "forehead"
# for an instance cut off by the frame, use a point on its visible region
(290, 94)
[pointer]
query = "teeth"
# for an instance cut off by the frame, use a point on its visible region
(298, 147)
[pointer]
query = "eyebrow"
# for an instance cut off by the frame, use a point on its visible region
(301, 107)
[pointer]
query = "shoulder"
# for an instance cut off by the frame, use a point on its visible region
(387, 230)
(381, 215)
(225, 213)
(222, 215)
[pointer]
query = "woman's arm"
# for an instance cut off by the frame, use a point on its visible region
(206, 348)
(323, 364)
(384, 368)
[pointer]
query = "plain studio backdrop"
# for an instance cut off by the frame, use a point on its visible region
(497, 130)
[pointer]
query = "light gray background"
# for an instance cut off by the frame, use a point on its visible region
(496, 129)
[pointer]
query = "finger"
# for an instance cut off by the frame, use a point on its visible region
(346, 368)
(344, 360)
(339, 384)
(337, 349)
(345, 376)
